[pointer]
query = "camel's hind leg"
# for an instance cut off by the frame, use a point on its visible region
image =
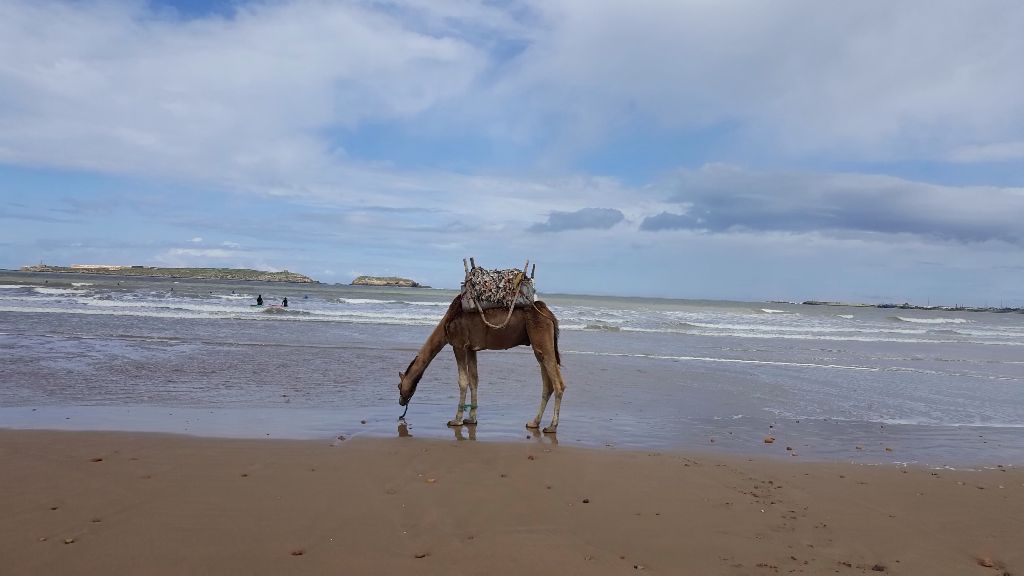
(542, 337)
(554, 373)
(463, 364)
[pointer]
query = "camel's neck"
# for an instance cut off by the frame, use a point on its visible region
(438, 339)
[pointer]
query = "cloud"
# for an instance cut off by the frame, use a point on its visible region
(196, 240)
(722, 198)
(598, 218)
(995, 152)
(265, 96)
(210, 253)
(118, 87)
(871, 80)
(669, 221)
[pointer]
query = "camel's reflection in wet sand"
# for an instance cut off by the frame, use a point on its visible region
(403, 429)
(464, 432)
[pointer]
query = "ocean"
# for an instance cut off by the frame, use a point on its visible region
(860, 384)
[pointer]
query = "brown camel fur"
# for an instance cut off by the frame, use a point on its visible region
(532, 326)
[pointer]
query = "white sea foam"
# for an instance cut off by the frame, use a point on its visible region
(773, 311)
(933, 320)
(16, 286)
(81, 283)
(363, 301)
(43, 290)
(235, 296)
(847, 316)
(725, 360)
(371, 301)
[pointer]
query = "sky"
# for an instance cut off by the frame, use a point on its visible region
(860, 151)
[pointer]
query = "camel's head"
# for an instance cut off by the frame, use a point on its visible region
(407, 384)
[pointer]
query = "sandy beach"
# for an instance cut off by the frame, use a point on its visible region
(119, 503)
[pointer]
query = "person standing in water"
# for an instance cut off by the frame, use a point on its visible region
(259, 300)
(284, 302)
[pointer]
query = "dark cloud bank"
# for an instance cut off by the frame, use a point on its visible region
(600, 218)
(725, 198)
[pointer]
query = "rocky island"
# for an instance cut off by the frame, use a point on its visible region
(198, 273)
(386, 281)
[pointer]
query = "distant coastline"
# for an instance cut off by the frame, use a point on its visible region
(907, 306)
(198, 273)
(387, 281)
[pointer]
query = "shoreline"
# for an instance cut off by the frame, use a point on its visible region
(102, 503)
(935, 447)
(557, 295)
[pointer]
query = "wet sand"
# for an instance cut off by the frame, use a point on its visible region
(126, 503)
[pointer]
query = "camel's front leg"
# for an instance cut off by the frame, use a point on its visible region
(460, 359)
(545, 393)
(474, 380)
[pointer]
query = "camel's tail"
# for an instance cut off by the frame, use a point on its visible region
(543, 309)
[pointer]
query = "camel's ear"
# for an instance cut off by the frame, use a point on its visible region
(401, 375)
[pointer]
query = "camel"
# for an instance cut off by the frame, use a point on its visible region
(467, 332)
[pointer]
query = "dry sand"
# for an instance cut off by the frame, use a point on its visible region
(111, 503)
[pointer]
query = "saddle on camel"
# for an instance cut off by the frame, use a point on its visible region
(495, 310)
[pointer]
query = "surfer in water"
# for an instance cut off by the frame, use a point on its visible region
(259, 300)
(284, 302)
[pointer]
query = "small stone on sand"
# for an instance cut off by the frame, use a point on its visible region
(421, 555)
(69, 540)
(298, 552)
(769, 439)
(586, 500)
(362, 421)
(531, 457)
(96, 460)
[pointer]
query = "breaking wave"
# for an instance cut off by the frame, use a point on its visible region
(931, 320)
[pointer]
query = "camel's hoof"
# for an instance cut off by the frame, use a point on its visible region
(454, 423)
(532, 425)
(550, 429)
(469, 422)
